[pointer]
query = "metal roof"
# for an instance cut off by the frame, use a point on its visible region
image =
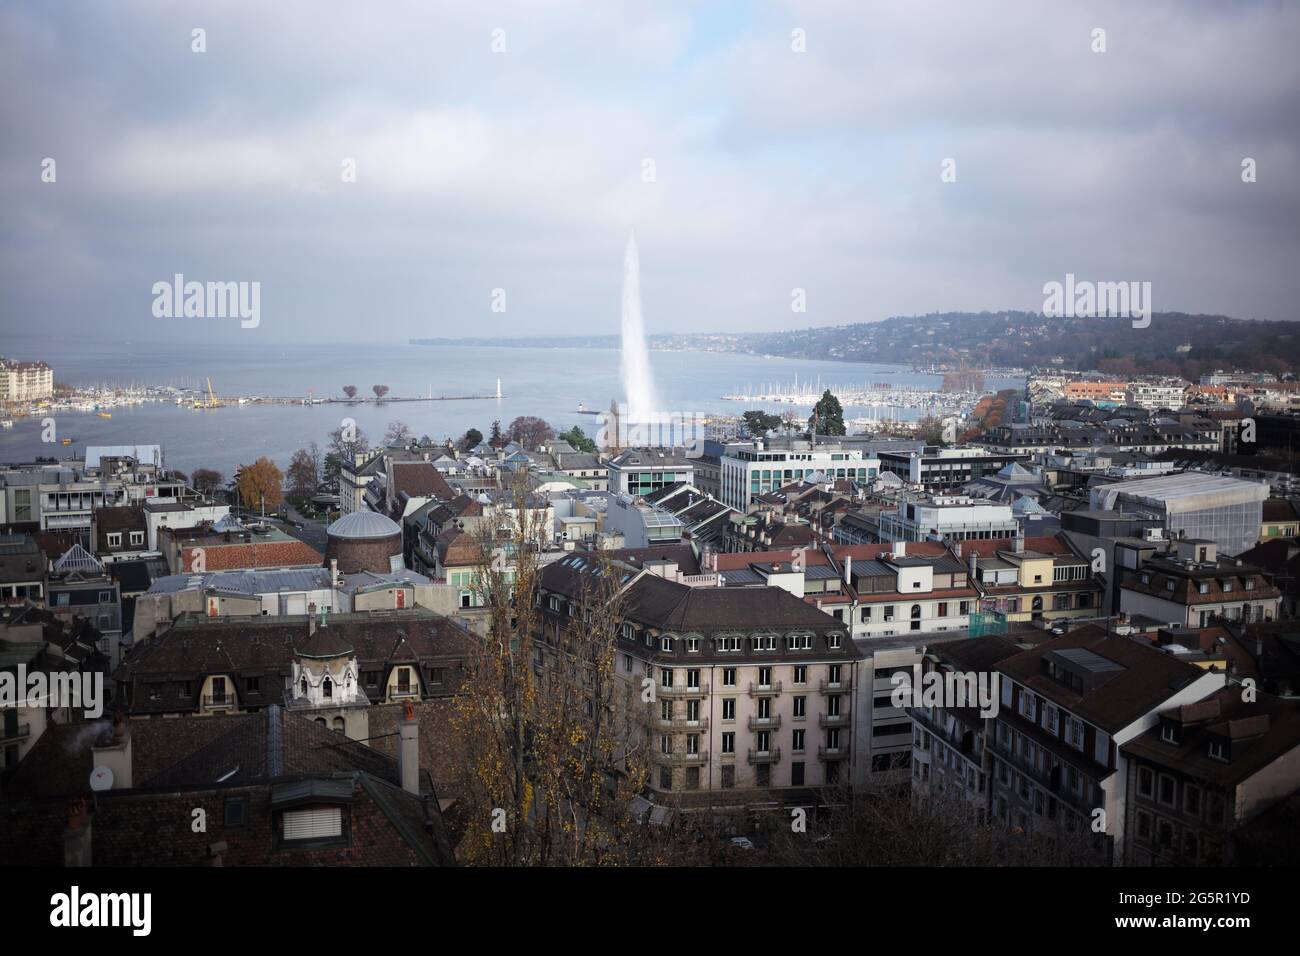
(363, 524)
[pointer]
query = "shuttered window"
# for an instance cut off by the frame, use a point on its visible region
(314, 824)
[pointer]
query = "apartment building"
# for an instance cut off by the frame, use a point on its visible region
(1034, 579)
(25, 381)
(1156, 395)
(1066, 708)
(1192, 586)
(210, 666)
(952, 745)
(1203, 772)
(753, 687)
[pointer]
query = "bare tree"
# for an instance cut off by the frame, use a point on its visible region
(380, 391)
(398, 433)
(350, 391)
(556, 757)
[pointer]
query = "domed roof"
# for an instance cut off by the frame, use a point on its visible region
(363, 524)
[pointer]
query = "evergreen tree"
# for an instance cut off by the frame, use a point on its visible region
(828, 416)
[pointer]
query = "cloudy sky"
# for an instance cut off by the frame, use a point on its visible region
(746, 168)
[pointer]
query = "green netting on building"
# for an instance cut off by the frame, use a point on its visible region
(987, 622)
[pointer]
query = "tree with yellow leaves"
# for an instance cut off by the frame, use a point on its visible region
(260, 485)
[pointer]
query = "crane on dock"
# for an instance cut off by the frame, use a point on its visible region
(211, 401)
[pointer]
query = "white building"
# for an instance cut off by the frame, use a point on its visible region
(754, 468)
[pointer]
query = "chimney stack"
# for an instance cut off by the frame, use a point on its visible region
(311, 618)
(114, 752)
(973, 558)
(334, 572)
(1019, 543)
(408, 750)
(848, 570)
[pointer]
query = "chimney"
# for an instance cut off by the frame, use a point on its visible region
(900, 549)
(408, 750)
(1019, 543)
(114, 752)
(311, 618)
(76, 837)
(956, 549)
(973, 558)
(848, 569)
(334, 572)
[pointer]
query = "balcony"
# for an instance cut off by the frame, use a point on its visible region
(771, 722)
(834, 686)
(682, 760)
(833, 720)
(682, 723)
(833, 753)
(403, 690)
(765, 690)
(219, 700)
(765, 756)
(675, 692)
(19, 732)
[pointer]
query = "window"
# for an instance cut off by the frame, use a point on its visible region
(1218, 750)
(1169, 732)
(253, 684)
(114, 539)
(800, 708)
(796, 773)
(1166, 790)
(797, 740)
(801, 674)
(693, 678)
(765, 677)
(627, 663)
(728, 677)
(693, 645)
(1146, 781)
(728, 742)
(833, 642)
(316, 823)
(665, 677)
(1192, 800)
(236, 811)
(666, 644)
(729, 708)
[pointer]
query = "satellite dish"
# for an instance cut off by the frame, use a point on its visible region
(101, 778)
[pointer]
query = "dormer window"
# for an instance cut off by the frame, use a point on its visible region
(1203, 587)
(666, 645)
(1219, 749)
(1227, 586)
(1146, 578)
(1170, 732)
(1250, 584)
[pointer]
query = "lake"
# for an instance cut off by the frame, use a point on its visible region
(549, 383)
